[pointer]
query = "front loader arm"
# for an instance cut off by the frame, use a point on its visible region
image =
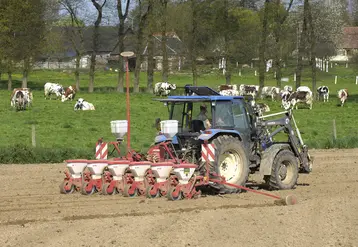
(294, 138)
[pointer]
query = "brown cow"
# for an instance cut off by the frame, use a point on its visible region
(343, 95)
(69, 94)
(227, 87)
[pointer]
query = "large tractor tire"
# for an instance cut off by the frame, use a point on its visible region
(284, 171)
(231, 161)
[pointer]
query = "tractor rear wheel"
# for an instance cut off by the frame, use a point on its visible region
(284, 171)
(231, 162)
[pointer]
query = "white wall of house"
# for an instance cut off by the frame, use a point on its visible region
(341, 56)
(101, 59)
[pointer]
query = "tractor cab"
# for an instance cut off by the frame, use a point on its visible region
(209, 113)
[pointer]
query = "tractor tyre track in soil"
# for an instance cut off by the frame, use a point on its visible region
(34, 213)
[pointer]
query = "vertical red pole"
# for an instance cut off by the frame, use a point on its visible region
(128, 109)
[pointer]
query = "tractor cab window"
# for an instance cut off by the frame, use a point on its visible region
(223, 115)
(177, 113)
(240, 119)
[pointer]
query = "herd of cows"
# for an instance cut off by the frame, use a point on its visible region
(21, 98)
(289, 98)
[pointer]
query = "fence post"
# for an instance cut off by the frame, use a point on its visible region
(33, 136)
(334, 130)
(335, 79)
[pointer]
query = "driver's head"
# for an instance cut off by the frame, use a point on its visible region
(203, 108)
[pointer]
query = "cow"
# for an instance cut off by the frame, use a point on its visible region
(304, 89)
(284, 99)
(53, 88)
(299, 97)
(261, 108)
(19, 100)
(69, 94)
(229, 92)
(163, 88)
(288, 88)
(27, 95)
(323, 91)
(248, 90)
(227, 87)
(272, 92)
(343, 95)
(83, 105)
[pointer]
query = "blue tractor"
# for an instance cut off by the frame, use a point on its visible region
(229, 134)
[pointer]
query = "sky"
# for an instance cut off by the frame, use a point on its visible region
(110, 16)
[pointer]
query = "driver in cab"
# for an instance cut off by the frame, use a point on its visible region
(203, 117)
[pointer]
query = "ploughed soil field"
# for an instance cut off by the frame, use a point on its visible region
(34, 213)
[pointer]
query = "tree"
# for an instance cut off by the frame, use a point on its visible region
(280, 18)
(193, 40)
(142, 17)
(74, 30)
(23, 30)
(95, 41)
(163, 27)
(150, 46)
(302, 44)
(312, 40)
(122, 16)
(264, 34)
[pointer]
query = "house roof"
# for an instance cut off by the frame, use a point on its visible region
(174, 45)
(350, 38)
(108, 42)
(108, 37)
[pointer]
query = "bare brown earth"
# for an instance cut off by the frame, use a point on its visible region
(34, 213)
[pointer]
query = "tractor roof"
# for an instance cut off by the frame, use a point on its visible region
(201, 98)
(198, 94)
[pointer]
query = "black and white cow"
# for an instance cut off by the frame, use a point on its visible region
(285, 95)
(271, 92)
(83, 105)
(261, 108)
(19, 100)
(163, 88)
(53, 88)
(304, 89)
(299, 97)
(229, 92)
(323, 92)
(288, 88)
(249, 90)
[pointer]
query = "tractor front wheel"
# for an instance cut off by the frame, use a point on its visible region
(231, 162)
(284, 171)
